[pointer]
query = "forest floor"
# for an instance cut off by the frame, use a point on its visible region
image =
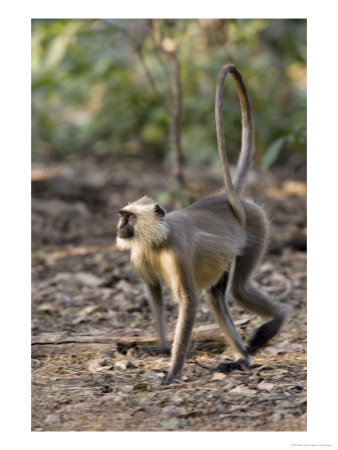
(91, 321)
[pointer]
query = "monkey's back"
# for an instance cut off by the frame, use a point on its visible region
(213, 234)
(214, 216)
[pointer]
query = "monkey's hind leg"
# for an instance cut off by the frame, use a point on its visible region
(216, 298)
(253, 300)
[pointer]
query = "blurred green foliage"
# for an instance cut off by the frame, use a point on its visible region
(91, 92)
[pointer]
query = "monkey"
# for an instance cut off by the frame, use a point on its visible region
(213, 245)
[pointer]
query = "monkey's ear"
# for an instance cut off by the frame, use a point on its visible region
(158, 210)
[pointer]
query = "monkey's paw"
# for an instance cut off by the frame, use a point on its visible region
(168, 380)
(229, 367)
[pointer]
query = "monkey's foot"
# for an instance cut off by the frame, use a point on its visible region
(263, 334)
(229, 367)
(167, 381)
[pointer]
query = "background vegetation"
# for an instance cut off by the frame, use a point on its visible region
(100, 86)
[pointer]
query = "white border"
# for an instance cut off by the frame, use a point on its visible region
(15, 224)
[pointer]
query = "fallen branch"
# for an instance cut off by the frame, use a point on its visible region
(48, 343)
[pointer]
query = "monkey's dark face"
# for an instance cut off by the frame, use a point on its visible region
(126, 225)
(142, 223)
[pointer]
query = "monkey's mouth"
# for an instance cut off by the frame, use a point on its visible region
(124, 233)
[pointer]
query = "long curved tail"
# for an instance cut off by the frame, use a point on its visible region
(235, 190)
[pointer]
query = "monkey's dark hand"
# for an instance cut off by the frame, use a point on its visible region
(169, 379)
(229, 367)
(166, 381)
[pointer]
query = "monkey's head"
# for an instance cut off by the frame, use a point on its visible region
(142, 223)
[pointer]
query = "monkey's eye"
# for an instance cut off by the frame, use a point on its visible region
(131, 219)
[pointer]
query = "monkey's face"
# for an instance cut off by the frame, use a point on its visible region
(142, 223)
(126, 225)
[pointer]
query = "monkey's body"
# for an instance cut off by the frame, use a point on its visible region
(212, 245)
(200, 241)
(194, 243)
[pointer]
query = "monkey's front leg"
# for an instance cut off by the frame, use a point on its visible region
(186, 317)
(156, 304)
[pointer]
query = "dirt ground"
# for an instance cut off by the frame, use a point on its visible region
(91, 324)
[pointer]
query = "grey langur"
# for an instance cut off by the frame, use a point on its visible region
(212, 245)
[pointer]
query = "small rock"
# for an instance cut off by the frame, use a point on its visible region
(289, 346)
(88, 392)
(123, 286)
(169, 411)
(218, 376)
(126, 388)
(241, 389)
(73, 407)
(52, 418)
(121, 365)
(110, 397)
(274, 351)
(265, 386)
(87, 279)
(154, 375)
(99, 365)
(177, 399)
